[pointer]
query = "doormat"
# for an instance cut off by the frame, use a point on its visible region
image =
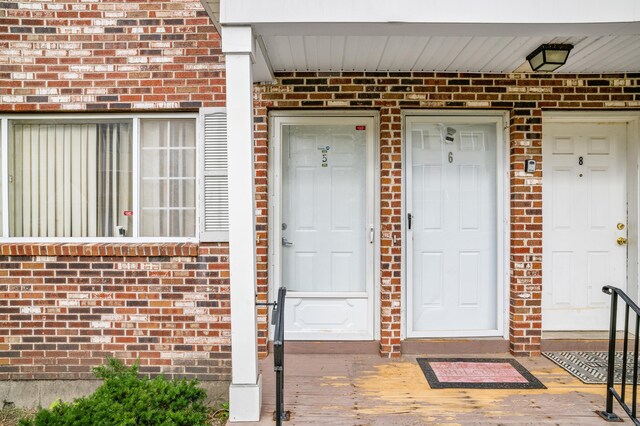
(591, 367)
(477, 373)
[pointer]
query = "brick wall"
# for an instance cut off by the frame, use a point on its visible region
(63, 308)
(524, 96)
(87, 55)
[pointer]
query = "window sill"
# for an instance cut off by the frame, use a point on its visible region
(98, 249)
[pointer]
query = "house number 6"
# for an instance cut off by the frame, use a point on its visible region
(451, 157)
(580, 161)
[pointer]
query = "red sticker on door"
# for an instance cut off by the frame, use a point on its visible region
(361, 127)
(128, 213)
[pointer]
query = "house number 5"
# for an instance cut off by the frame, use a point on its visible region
(451, 157)
(580, 161)
(324, 159)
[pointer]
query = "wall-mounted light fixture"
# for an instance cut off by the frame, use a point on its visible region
(549, 57)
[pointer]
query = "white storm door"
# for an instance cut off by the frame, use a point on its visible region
(584, 200)
(327, 228)
(452, 200)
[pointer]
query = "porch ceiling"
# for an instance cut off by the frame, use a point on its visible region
(301, 35)
(464, 47)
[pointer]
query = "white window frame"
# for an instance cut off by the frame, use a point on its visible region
(135, 119)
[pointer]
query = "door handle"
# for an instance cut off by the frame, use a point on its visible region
(286, 243)
(371, 234)
(621, 241)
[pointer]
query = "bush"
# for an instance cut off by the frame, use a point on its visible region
(125, 399)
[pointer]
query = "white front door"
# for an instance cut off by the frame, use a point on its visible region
(327, 227)
(584, 205)
(452, 205)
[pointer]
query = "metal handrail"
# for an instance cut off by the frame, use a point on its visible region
(612, 393)
(278, 356)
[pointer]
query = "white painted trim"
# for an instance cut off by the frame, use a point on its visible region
(210, 11)
(276, 120)
(136, 158)
(245, 401)
(78, 116)
(4, 171)
(632, 119)
(103, 240)
(589, 116)
(238, 40)
(263, 70)
(506, 221)
(136, 177)
(500, 119)
(435, 11)
(326, 295)
(242, 240)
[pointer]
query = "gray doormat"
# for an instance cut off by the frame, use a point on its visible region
(591, 367)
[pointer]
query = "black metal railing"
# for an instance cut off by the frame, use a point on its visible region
(277, 319)
(612, 393)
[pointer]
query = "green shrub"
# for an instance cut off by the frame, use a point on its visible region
(125, 399)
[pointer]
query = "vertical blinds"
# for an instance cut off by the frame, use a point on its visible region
(69, 180)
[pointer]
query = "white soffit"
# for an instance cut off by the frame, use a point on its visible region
(435, 35)
(446, 47)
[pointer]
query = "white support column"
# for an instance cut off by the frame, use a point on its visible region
(245, 393)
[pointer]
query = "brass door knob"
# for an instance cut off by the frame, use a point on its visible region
(621, 241)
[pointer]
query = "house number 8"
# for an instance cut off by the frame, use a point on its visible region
(580, 161)
(451, 157)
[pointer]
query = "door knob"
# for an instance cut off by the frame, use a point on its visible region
(621, 241)
(286, 243)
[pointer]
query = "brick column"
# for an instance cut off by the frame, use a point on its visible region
(390, 220)
(525, 319)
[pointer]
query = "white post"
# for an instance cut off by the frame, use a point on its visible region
(245, 392)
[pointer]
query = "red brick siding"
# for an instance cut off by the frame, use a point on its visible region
(524, 96)
(262, 235)
(87, 55)
(65, 308)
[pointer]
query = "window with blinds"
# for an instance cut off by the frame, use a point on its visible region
(69, 180)
(153, 177)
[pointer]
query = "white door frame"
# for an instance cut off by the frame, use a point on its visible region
(276, 120)
(632, 119)
(500, 119)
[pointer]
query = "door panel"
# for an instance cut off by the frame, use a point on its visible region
(327, 211)
(584, 198)
(452, 286)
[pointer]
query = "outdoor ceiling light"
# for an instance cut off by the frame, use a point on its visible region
(549, 57)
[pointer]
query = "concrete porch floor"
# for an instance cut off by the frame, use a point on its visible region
(343, 389)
